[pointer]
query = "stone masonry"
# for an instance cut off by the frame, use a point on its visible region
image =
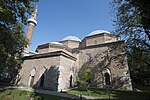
(56, 65)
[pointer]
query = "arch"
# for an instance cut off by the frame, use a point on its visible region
(42, 76)
(42, 71)
(71, 78)
(70, 81)
(31, 78)
(107, 76)
(42, 80)
(106, 71)
(33, 72)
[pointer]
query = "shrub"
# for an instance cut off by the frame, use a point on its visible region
(84, 77)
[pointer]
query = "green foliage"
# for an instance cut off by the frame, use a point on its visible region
(138, 63)
(132, 21)
(143, 6)
(84, 76)
(13, 18)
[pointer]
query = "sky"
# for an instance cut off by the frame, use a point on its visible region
(58, 19)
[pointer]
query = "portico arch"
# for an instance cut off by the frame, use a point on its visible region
(31, 78)
(42, 76)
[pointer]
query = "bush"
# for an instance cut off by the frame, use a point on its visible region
(84, 77)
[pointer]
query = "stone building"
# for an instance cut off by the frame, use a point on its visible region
(56, 65)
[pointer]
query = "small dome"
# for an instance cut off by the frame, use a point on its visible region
(98, 32)
(57, 43)
(74, 38)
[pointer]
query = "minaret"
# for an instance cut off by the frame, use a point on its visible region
(31, 24)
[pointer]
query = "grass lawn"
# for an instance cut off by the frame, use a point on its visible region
(26, 95)
(16, 94)
(119, 95)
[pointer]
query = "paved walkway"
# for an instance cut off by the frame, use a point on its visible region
(69, 95)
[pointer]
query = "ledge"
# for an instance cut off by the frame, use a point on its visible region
(50, 54)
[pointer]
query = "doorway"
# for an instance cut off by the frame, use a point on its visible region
(42, 80)
(71, 81)
(107, 78)
(31, 81)
(31, 78)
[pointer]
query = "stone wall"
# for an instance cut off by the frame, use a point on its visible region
(100, 39)
(67, 68)
(111, 38)
(94, 40)
(57, 67)
(49, 63)
(107, 56)
(71, 43)
(56, 70)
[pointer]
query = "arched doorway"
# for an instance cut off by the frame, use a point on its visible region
(31, 78)
(42, 80)
(107, 78)
(71, 81)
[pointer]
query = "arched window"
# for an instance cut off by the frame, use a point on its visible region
(32, 72)
(71, 81)
(107, 78)
(31, 78)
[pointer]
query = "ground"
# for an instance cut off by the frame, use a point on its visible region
(26, 95)
(113, 94)
(96, 94)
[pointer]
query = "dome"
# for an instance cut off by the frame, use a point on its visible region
(98, 32)
(56, 43)
(74, 38)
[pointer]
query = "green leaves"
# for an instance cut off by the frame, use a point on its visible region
(84, 76)
(132, 21)
(1, 9)
(13, 18)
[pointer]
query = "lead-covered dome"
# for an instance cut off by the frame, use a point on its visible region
(98, 32)
(74, 38)
(56, 43)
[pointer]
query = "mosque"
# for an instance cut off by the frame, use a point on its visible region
(56, 65)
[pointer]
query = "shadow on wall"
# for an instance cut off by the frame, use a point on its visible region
(48, 79)
(113, 59)
(120, 83)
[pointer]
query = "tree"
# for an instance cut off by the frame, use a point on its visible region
(132, 21)
(84, 77)
(13, 18)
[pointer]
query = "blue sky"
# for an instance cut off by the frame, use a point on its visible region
(60, 18)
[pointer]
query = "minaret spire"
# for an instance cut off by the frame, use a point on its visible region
(33, 16)
(31, 24)
(35, 13)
